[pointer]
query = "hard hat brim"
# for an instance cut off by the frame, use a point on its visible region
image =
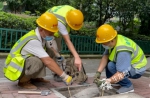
(56, 30)
(74, 28)
(99, 42)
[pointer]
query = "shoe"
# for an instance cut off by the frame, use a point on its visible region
(27, 85)
(39, 80)
(57, 78)
(124, 90)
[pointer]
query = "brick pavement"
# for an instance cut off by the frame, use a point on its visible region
(10, 89)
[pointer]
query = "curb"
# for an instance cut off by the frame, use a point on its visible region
(2, 55)
(46, 77)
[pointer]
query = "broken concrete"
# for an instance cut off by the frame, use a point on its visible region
(78, 91)
(89, 92)
(82, 91)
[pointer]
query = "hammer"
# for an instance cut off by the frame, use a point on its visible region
(42, 93)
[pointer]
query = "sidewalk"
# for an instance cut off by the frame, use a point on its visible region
(10, 89)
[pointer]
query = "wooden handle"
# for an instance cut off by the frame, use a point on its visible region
(29, 92)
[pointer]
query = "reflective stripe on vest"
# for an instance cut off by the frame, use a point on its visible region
(20, 44)
(14, 63)
(60, 12)
(63, 20)
(138, 59)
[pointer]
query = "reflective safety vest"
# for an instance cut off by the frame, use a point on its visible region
(14, 63)
(138, 59)
(60, 12)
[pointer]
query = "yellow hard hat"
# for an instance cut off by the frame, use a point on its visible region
(48, 21)
(75, 18)
(105, 33)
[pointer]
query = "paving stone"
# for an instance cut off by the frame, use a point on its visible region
(3, 88)
(8, 91)
(20, 96)
(7, 96)
(130, 95)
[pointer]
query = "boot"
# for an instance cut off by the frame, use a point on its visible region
(39, 80)
(24, 82)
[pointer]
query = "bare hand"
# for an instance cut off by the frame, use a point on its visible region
(78, 63)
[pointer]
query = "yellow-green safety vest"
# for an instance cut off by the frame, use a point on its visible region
(138, 59)
(60, 12)
(14, 62)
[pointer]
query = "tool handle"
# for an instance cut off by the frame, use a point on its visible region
(29, 92)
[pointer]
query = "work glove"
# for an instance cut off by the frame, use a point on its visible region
(104, 84)
(66, 78)
(98, 82)
(97, 77)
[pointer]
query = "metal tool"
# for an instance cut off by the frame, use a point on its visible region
(69, 91)
(42, 93)
(102, 92)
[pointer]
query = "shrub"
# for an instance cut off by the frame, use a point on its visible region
(27, 12)
(12, 21)
(88, 29)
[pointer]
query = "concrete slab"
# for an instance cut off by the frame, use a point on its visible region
(129, 95)
(87, 93)
(79, 91)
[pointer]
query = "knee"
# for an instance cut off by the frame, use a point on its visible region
(33, 65)
(111, 66)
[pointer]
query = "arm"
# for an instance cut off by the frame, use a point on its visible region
(123, 66)
(51, 64)
(103, 63)
(73, 51)
(38, 51)
(101, 67)
(65, 35)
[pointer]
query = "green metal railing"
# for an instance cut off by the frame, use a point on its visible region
(83, 44)
(145, 45)
(8, 37)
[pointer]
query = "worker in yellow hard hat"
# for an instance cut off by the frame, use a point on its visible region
(28, 58)
(68, 18)
(122, 59)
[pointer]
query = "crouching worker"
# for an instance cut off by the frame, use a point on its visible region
(28, 59)
(122, 59)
